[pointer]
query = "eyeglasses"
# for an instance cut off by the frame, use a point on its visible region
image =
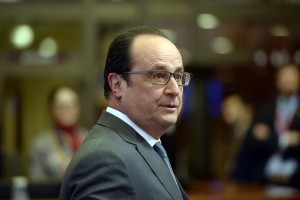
(160, 77)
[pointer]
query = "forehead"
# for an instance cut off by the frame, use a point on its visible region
(64, 95)
(153, 49)
(288, 72)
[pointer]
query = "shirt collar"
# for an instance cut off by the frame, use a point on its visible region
(287, 102)
(285, 99)
(151, 140)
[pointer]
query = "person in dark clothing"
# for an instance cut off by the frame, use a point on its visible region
(271, 149)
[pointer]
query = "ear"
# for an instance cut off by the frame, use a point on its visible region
(115, 82)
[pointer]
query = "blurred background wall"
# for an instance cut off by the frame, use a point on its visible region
(231, 46)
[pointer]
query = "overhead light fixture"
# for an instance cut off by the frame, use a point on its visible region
(207, 21)
(22, 36)
(279, 57)
(48, 47)
(260, 58)
(221, 45)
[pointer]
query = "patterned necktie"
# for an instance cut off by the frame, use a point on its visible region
(158, 147)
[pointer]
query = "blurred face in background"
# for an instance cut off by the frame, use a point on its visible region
(65, 107)
(232, 107)
(288, 80)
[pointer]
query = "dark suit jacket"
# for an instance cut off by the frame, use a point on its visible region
(255, 154)
(114, 162)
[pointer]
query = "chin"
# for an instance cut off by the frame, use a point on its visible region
(171, 121)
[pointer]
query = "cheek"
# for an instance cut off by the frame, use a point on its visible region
(149, 95)
(148, 102)
(180, 98)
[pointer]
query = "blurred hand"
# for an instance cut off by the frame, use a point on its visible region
(293, 138)
(261, 131)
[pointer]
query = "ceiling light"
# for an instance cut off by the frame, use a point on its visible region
(48, 47)
(22, 36)
(260, 58)
(279, 57)
(221, 45)
(207, 21)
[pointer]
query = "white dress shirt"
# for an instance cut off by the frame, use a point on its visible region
(286, 107)
(151, 140)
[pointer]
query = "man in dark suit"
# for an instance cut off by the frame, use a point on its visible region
(271, 151)
(121, 158)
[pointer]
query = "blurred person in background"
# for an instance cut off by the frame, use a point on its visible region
(52, 150)
(237, 115)
(271, 151)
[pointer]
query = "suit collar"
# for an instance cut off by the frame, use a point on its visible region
(157, 165)
(150, 139)
(116, 124)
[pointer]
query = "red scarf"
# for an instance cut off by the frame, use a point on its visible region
(73, 133)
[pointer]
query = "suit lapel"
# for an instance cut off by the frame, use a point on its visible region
(159, 168)
(157, 165)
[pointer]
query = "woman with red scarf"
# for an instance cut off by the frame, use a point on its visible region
(52, 150)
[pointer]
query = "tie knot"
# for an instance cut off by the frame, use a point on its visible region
(158, 147)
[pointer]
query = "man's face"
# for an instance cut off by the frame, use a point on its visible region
(153, 107)
(288, 80)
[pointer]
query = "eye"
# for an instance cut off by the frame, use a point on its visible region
(178, 76)
(157, 76)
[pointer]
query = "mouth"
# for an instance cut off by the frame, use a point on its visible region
(170, 107)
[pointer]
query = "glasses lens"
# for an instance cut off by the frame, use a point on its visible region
(178, 77)
(186, 79)
(160, 77)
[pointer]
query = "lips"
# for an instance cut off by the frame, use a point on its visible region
(170, 108)
(170, 105)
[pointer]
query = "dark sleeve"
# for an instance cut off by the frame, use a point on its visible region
(265, 115)
(98, 176)
(250, 161)
(254, 153)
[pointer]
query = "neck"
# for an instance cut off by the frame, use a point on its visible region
(66, 129)
(288, 95)
(152, 130)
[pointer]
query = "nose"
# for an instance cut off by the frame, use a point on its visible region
(172, 87)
